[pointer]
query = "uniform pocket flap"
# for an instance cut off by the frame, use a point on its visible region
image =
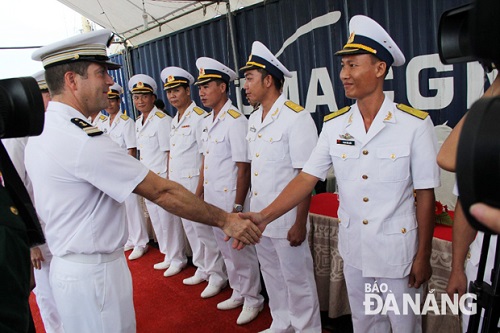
(393, 152)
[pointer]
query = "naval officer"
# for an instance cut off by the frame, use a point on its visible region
(121, 129)
(153, 142)
(381, 152)
(82, 206)
(226, 181)
(184, 168)
(281, 136)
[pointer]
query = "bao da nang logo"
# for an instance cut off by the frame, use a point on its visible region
(416, 304)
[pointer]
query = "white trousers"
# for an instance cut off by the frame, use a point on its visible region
(378, 323)
(94, 297)
(169, 233)
(242, 270)
(44, 298)
(289, 278)
(208, 259)
(137, 233)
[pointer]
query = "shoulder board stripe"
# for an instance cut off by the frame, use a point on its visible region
(124, 117)
(233, 113)
(86, 127)
(159, 114)
(199, 111)
(295, 107)
(103, 117)
(336, 114)
(414, 112)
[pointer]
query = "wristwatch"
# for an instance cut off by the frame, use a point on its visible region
(238, 208)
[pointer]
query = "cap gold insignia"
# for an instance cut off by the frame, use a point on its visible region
(249, 58)
(202, 71)
(140, 84)
(170, 78)
(351, 38)
(388, 117)
(76, 56)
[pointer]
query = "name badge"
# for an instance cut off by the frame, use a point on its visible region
(346, 142)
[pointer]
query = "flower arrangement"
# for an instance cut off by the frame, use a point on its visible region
(443, 215)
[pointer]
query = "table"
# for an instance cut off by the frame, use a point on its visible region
(332, 292)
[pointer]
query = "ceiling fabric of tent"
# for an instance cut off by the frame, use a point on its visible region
(139, 21)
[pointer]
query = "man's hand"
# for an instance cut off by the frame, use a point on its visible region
(457, 283)
(242, 230)
(37, 257)
(421, 272)
(256, 218)
(297, 234)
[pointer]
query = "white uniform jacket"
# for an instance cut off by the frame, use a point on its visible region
(153, 140)
(80, 204)
(224, 144)
(278, 147)
(376, 174)
(185, 143)
(121, 131)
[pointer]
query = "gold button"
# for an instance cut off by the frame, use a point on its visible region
(206, 182)
(260, 135)
(225, 189)
(216, 140)
(207, 152)
(364, 177)
(271, 140)
(343, 156)
(393, 156)
(206, 166)
(365, 199)
(173, 144)
(14, 210)
(190, 176)
(403, 230)
(254, 193)
(365, 222)
(468, 255)
(141, 158)
(365, 152)
(256, 174)
(340, 221)
(257, 155)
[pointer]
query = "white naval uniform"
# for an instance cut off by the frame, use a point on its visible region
(153, 143)
(184, 168)
(278, 147)
(223, 146)
(122, 131)
(84, 215)
(376, 173)
(15, 147)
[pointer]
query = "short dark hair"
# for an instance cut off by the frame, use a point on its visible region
(54, 76)
(219, 81)
(278, 84)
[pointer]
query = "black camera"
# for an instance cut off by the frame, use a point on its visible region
(472, 33)
(21, 108)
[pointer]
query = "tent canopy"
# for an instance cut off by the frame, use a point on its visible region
(139, 21)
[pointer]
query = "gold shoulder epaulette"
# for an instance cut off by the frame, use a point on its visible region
(199, 111)
(86, 127)
(414, 112)
(295, 107)
(233, 113)
(124, 117)
(103, 117)
(159, 114)
(336, 114)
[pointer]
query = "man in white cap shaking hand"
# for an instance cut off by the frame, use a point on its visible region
(82, 206)
(380, 152)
